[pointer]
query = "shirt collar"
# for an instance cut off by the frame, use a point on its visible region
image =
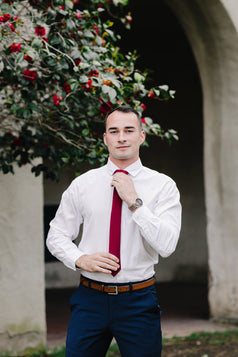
(133, 169)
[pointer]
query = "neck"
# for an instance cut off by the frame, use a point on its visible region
(122, 164)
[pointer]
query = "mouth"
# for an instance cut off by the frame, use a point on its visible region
(123, 147)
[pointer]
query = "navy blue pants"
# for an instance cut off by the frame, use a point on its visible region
(133, 318)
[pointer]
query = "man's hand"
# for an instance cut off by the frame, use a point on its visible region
(98, 262)
(125, 187)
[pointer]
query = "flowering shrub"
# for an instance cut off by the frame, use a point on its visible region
(60, 73)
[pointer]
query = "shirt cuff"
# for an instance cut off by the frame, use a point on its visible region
(71, 262)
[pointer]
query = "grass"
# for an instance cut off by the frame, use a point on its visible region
(208, 338)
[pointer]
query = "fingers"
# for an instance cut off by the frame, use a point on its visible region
(98, 262)
(125, 187)
(121, 178)
(108, 263)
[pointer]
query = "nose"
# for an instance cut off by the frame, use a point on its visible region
(121, 136)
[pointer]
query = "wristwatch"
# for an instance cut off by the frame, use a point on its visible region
(138, 203)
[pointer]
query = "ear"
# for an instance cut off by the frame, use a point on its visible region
(142, 136)
(105, 139)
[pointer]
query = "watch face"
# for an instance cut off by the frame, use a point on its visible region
(139, 202)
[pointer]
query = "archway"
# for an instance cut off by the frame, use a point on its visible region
(213, 38)
(164, 48)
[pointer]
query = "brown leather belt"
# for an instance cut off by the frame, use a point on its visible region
(115, 289)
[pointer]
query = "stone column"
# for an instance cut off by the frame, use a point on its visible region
(22, 300)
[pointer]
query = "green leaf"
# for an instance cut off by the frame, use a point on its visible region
(65, 159)
(69, 4)
(73, 84)
(83, 79)
(70, 24)
(1, 65)
(20, 57)
(164, 87)
(32, 53)
(88, 33)
(37, 43)
(138, 77)
(75, 53)
(157, 92)
(171, 93)
(34, 107)
(120, 2)
(85, 132)
(112, 94)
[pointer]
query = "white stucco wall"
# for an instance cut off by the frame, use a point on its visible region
(22, 307)
(211, 28)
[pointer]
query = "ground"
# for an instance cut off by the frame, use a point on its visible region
(184, 310)
(220, 344)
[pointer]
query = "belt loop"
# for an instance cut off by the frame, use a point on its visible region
(102, 288)
(131, 288)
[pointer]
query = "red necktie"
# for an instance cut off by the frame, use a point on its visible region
(115, 226)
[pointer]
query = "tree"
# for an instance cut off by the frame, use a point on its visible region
(60, 73)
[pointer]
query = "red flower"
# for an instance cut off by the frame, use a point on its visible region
(143, 121)
(78, 15)
(105, 107)
(40, 31)
(34, 2)
(89, 83)
(61, 7)
(28, 58)
(143, 106)
(66, 87)
(88, 86)
(12, 27)
(96, 29)
(17, 142)
(45, 39)
(93, 73)
(30, 75)
(128, 19)
(78, 61)
(151, 95)
(15, 47)
(5, 18)
(15, 18)
(57, 99)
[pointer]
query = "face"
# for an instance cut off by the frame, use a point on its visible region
(123, 138)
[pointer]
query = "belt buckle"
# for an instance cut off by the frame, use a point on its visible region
(116, 289)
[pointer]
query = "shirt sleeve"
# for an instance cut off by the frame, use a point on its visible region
(161, 225)
(64, 228)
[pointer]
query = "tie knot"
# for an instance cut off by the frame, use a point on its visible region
(124, 172)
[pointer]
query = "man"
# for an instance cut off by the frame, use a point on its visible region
(117, 295)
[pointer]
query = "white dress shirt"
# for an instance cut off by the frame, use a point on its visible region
(151, 230)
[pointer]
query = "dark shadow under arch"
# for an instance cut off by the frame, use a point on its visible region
(164, 48)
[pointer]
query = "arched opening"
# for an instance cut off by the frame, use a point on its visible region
(163, 47)
(211, 28)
